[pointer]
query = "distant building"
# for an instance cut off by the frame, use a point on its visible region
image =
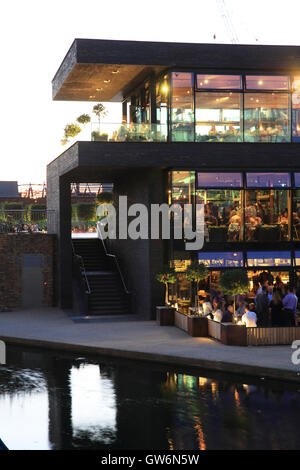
(216, 124)
(9, 189)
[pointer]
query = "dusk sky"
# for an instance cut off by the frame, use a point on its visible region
(35, 37)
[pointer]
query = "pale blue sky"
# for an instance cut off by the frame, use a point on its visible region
(36, 35)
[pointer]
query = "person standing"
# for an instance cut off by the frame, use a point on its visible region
(276, 307)
(262, 307)
(290, 302)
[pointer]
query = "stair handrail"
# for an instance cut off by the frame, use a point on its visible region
(112, 256)
(83, 271)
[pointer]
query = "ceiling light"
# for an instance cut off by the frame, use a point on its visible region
(260, 82)
(115, 71)
(106, 81)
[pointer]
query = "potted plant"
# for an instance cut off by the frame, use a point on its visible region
(167, 276)
(100, 111)
(234, 282)
(97, 137)
(196, 272)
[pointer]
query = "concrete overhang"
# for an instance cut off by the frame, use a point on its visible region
(105, 70)
(91, 159)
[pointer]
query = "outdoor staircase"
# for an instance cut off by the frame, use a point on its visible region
(108, 296)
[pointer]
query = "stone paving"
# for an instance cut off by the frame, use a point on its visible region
(131, 337)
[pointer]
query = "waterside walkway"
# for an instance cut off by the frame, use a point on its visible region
(128, 337)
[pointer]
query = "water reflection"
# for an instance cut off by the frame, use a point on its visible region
(93, 405)
(60, 401)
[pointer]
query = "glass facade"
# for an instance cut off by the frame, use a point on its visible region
(222, 214)
(267, 82)
(268, 180)
(258, 207)
(219, 82)
(266, 215)
(268, 258)
(234, 108)
(182, 112)
(218, 117)
(266, 117)
(220, 180)
(221, 259)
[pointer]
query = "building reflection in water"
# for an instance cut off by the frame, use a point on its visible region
(93, 405)
(60, 401)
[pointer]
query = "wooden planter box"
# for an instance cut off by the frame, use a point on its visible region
(194, 325)
(165, 316)
(227, 333)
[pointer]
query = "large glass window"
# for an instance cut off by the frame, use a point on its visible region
(182, 113)
(219, 180)
(223, 214)
(221, 259)
(183, 187)
(218, 117)
(297, 180)
(219, 82)
(266, 215)
(162, 94)
(266, 117)
(296, 109)
(268, 180)
(267, 82)
(296, 214)
(268, 258)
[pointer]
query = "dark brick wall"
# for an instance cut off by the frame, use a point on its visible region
(12, 247)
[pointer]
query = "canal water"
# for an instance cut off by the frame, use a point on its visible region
(51, 400)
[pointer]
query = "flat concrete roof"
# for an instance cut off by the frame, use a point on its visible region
(106, 70)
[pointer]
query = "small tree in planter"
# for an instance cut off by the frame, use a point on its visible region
(234, 282)
(100, 111)
(167, 276)
(196, 272)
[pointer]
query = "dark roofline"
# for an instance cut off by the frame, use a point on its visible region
(174, 54)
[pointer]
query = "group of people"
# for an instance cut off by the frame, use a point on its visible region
(275, 304)
(231, 216)
(223, 312)
(9, 227)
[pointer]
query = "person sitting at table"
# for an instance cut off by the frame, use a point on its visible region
(122, 132)
(231, 130)
(284, 217)
(213, 131)
(249, 318)
(217, 313)
(228, 314)
(234, 226)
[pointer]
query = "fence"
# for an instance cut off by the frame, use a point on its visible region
(26, 220)
(274, 335)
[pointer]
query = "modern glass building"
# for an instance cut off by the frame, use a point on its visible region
(212, 124)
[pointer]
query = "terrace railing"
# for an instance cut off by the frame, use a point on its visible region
(26, 220)
(123, 132)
